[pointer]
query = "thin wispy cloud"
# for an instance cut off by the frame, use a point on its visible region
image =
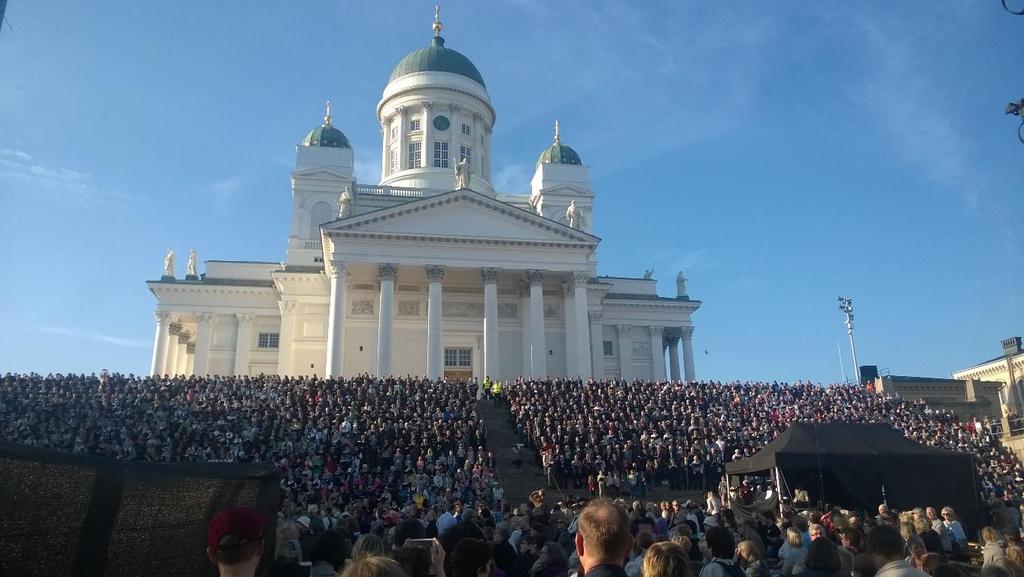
(367, 167)
(912, 111)
(225, 190)
(103, 338)
(699, 70)
(21, 169)
(512, 178)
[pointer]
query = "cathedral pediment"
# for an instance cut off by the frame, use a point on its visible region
(320, 172)
(460, 215)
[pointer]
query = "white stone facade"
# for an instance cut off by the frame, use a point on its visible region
(411, 277)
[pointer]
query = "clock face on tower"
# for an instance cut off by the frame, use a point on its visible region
(441, 123)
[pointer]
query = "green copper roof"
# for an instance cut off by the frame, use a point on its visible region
(326, 135)
(437, 58)
(559, 153)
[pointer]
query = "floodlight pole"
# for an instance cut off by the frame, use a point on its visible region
(846, 306)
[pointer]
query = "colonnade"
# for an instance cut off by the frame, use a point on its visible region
(535, 338)
(177, 349)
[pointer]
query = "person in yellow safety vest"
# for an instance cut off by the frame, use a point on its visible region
(496, 392)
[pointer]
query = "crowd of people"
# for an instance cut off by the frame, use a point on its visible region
(343, 447)
(620, 437)
(615, 538)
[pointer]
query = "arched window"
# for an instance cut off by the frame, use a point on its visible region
(319, 213)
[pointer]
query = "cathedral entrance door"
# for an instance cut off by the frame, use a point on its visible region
(458, 363)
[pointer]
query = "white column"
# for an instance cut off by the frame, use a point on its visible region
(625, 351)
(385, 134)
(243, 342)
(181, 365)
(163, 319)
(286, 338)
(538, 343)
(524, 314)
(403, 139)
(688, 372)
(336, 321)
(428, 134)
(386, 272)
(657, 353)
(190, 359)
(597, 344)
(491, 345)
(580, 317)
(435, 354)
(673, 357)
(204, 337)
(171, 358)
(569, 322)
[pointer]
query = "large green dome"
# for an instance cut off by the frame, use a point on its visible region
(437, 58)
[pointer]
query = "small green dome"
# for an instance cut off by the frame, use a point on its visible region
(327, 136)
(559, 153)
(437, 58)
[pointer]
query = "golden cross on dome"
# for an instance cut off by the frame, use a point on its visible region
(327, 118)
(558, 139)
(437, 20)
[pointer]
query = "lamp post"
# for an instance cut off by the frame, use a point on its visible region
(846, 306)
(1017, 109)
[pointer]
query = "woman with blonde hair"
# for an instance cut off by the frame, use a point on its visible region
(750, 558)
(368, 546)
(666, 559)
(993, 550)
(792, 554)
(373, 566)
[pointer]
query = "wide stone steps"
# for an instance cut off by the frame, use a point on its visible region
(518, 484)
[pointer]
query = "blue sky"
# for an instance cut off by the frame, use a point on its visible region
(781, 154)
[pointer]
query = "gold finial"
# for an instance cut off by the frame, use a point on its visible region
(558, 139)
(327, 118)
(437, 21)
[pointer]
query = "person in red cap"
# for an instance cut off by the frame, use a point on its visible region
(234, 541)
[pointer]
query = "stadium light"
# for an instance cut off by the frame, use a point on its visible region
(1017, 109)
(846, 306)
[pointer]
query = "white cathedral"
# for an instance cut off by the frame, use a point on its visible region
(411, 277)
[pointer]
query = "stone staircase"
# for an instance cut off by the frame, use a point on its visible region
(518, 484)
(501, 437)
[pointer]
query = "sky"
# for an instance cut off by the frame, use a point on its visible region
(780, 154)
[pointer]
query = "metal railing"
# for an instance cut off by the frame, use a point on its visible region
(1016, 426)
(403, 191)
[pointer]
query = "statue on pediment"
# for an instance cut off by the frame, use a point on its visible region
(574, 215)
(190, 266)
(680, 285)
(462, 174)
(169, 264)
(648, 274)
(345, 203)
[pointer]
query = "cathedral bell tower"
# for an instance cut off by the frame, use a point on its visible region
(561, 186)
(321, 182)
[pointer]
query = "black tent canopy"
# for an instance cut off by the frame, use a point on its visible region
(862, 465)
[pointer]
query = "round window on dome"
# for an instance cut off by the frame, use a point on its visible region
(442, 123)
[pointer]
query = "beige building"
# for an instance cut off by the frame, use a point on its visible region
(1005, 369)
(964, 398)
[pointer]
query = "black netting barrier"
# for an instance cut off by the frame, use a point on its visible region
(72, 515)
